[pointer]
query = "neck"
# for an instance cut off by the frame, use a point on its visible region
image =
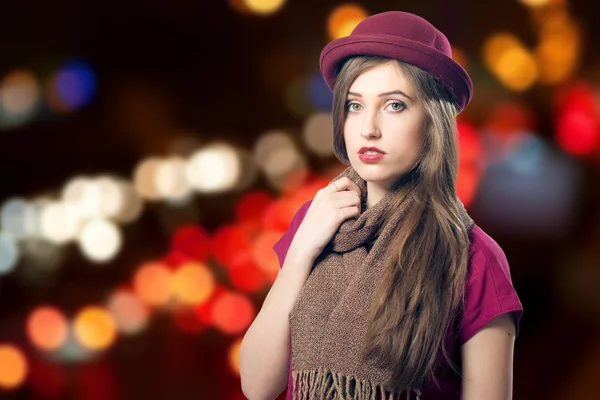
(375, 192)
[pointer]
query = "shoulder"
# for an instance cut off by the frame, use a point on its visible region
(485, 254)
(489, 290)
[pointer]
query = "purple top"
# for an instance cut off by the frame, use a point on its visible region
(489, 293)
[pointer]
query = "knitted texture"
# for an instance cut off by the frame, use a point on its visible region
(329, 320)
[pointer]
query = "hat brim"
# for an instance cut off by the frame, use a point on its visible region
(444, 68)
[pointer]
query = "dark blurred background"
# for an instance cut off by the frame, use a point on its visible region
(152, 152)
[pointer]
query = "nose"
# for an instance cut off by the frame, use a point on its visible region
(370, 127)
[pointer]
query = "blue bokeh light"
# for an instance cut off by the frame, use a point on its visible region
(76, 84)
(318, 93)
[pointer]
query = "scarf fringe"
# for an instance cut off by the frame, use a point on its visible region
(321, 384)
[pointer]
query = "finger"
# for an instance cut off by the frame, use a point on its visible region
(348, 212)
(345, 183)
(346, 199)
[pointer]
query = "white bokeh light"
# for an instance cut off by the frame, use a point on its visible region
(214, 168)
(111, 196)
(82, 195)
(171, 179)
(145, 180)
(269, 143)
(100, 240)
(132, 205)
(17, 218)
(318, 134)
(9, 254)
(58, 222)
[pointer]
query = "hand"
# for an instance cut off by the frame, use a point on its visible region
(331, 206)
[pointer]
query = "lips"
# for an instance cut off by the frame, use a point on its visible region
(370, 150)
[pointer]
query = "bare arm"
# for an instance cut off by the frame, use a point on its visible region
(265, 351)
(487, 360)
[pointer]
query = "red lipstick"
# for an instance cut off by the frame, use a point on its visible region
(370, 154)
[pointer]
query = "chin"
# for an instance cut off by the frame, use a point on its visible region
(374, 174)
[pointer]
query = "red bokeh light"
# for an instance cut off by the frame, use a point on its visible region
(470, 148)
(47, 380)
(278, 215)
(245, 275)
(250, 207)
(508, 118)
(193, 242)
(228, 241)
(187, 321)
(577, 110)
(204, 311)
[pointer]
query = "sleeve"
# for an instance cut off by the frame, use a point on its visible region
(489, 291)
(283, 244)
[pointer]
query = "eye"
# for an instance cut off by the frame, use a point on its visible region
(396, 106)
(353, 107)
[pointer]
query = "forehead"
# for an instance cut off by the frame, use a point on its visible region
(382, 78)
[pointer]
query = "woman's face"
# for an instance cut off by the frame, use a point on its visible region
(384, 126)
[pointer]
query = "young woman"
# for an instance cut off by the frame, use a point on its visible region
(387, 288)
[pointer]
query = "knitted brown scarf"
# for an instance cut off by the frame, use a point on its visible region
(328, 322)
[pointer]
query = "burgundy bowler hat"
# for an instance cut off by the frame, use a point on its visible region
(405, 37)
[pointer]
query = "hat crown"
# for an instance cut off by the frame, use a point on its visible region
(407, 26)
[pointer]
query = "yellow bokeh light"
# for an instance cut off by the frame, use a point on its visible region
(513, 65)
(234, 355)
(497, 45)
(535, 3)
(559, 48)
(263, 7)
(152, 284)
(344, 19)
(193, 283)
(13, 367)
(47, 328)
(517, 69)
(94, 328)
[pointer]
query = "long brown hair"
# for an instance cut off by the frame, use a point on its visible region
(423, 286)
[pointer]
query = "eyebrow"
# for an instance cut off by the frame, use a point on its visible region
(400, 92)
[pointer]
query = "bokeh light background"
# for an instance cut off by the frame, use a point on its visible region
(152, 154)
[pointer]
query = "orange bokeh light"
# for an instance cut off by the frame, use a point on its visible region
(13, 367)
(47, 328)
(152, 283)
(94, 328)
(192, 283)
(344, 19)
(263, 254)
(130, 313)
(234, 355)
(232, 313)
